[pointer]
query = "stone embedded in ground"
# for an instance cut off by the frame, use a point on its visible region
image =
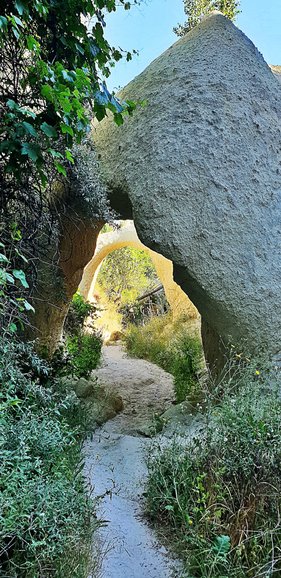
(201, 166)
(85, 388)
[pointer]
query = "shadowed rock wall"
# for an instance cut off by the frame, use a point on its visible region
(201, 166)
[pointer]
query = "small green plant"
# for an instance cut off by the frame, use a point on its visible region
(85, 352)
(14, 304)
(79, 311)
(186, 367)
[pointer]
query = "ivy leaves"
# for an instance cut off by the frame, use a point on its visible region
(13, 284)
(60, 86)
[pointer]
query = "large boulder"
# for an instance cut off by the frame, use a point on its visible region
(200, 165)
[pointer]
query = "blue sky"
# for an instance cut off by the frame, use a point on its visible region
(149, 29)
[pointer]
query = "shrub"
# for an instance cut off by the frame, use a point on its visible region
(173, 346)
(85, 353)
(79, 311)
(186, 367)
(126, 273)
(150, 342)
(46, 518)
(83, 350)
(219, 494)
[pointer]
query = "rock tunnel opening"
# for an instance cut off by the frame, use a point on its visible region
(125, 236)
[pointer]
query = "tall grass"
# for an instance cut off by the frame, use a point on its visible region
(219, 496)
(173, 345)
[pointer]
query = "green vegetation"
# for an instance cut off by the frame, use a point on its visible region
(127, 273)
(195, 9)
(219, 494)
(46, 520)
(13, 284)
(172, 346)
(80, 313)
(129, 288)
(54, 59)
(85, 352)
(83, 344)
(46, 517)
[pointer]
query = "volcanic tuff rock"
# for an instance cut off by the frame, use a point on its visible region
(201, 166)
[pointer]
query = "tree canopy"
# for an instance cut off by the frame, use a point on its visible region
(126, 273)
(54, 60)
(195, 9)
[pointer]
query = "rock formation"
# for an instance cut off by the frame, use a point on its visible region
(126, 236)
(200, 165)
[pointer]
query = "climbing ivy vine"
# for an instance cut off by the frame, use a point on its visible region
(54, 60)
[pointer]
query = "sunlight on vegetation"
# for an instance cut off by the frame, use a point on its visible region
(126, 273)
(175, 346)
(218, 496)
(127, 290)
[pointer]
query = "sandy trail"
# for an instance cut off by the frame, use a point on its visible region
(115, 466)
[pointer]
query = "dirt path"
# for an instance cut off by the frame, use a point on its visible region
(115, 466)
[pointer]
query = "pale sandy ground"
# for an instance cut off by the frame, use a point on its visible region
(115, 467)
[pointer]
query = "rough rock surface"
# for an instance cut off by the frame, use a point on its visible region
(201, 166)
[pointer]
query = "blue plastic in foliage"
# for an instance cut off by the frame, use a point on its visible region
(94, 49)
(106, 90)
(222, 545)
(117, 104)
(103, 97)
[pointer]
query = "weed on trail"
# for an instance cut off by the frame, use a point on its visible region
(219, 497)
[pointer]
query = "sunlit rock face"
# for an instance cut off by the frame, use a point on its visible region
(126, 236)
(276, 71)
(201, 166)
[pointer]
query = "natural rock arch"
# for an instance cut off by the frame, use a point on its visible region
(201, 167)
(124, 237)
(199, 171)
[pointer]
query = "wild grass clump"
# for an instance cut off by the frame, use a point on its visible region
(219, 496)
(173, 346)
(46, 520)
